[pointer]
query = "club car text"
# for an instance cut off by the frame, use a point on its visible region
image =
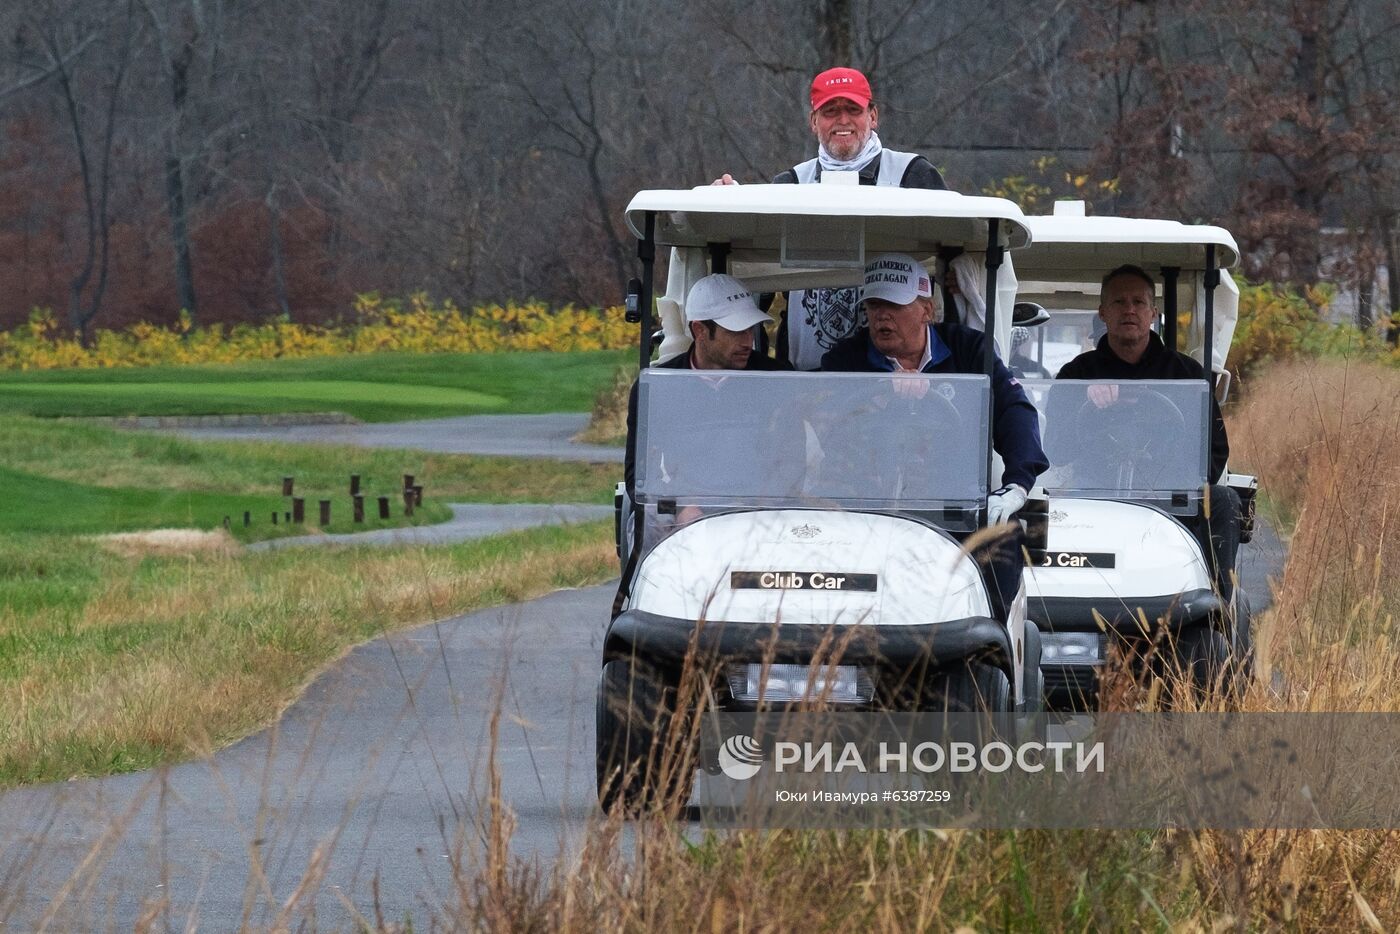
(1077, 559)
(802, 580)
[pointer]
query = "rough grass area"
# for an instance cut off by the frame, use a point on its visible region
(373, 388)
(113, 659)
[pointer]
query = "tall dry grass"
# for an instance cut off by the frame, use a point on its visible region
(1324, 437)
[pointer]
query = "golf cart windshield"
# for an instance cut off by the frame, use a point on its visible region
(868, 441)
(1144, 440)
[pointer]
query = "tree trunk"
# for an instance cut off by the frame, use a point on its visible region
(279, 267)
(1392, 276)
(836, 18)
(179, 229)
(1366, 299)
(1307, 196)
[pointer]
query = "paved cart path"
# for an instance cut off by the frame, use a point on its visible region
(506, 435)
(380, 768)
(469, 521)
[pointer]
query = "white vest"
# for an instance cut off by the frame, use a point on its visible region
(893, 165)
(817, 319)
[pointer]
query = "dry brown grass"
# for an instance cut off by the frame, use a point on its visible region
(180, 657)
(608, 422)
(170, 543)
(1325, 439)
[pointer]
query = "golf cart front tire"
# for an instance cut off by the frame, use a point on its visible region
(1210, 663)
(635, 767)
(975, 687)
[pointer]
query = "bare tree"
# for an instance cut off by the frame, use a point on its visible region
(62, 34)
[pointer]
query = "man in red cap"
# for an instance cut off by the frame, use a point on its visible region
(844, 119)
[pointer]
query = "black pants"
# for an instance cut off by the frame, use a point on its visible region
(1219, 536)
(1001, 562)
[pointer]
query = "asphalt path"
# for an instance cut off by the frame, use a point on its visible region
(378, 774)
(469, 520)
(546, 436)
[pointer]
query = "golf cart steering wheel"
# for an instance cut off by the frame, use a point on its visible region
(920, 430)
(1133, 436)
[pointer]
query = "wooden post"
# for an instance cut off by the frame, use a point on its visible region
(325, 513)
(227, 524)
(298, 510)
(247, 518)
(359, 508)
(408, 481)
(408, 502)
(418, 494)
(274, 517)
(286, 486)
(383, 507)
(287, 516)
(354, 484)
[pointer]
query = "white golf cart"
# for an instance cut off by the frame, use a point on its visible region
(1127, 480)
(793, 536)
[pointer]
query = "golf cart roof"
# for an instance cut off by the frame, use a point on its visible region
(755, 220)
(1067, 247)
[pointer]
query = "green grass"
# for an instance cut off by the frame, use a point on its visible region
(80, 478)
(370, 387)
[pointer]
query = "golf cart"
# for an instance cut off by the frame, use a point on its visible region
(794, 537)
(1128, 479)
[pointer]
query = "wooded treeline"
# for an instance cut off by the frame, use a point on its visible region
(249, 158)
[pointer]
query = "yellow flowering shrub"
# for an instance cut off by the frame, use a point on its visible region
(377, 324)
(1280, 323)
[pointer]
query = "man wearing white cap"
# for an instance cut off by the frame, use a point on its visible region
(901, 337)
(723, 318)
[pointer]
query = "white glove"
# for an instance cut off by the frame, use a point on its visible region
(1002, 504)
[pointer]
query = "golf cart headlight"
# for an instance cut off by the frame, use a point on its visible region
(1072, 648)
(844, 684)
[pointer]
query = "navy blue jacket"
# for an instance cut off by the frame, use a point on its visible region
(956, 349)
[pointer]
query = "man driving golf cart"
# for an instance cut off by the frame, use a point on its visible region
(1131, 350)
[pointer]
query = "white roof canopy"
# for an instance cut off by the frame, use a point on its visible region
(757, 220)
(1070, 248)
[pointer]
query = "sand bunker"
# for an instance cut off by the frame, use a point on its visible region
(171, 542)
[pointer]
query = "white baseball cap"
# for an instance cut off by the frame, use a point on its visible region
(896, 278)
(724, 300)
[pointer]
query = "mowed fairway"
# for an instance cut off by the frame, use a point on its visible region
(267, 396)
(370, 387)
(71, 478)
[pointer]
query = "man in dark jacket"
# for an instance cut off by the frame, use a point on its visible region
(901, 337)
(844, 118)
(1131, 350)
(723, 318)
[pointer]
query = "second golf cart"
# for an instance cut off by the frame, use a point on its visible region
(1124, 562)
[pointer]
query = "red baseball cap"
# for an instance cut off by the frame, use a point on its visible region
(840, 82)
